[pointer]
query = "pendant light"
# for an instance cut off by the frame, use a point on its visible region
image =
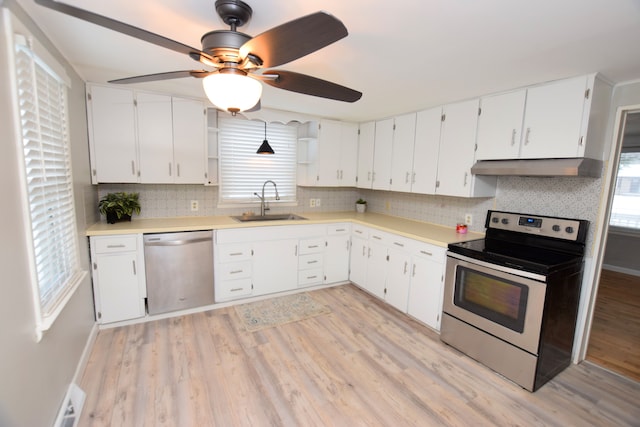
(265, 148)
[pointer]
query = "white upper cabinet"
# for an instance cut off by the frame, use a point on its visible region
(327, 154)
(456, 155)
(383, 148)
(551, 120)
(404, 132)
(155, 138)
(425, 151)
(366, 141)
(145, 137)
(112, 134)
(500, 125)
(337, 153)
(189, 140)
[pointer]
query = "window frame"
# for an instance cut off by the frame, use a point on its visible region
(55, 150)
(234, 159)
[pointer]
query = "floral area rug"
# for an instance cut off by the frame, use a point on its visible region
(278, 311)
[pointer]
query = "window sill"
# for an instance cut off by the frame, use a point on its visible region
(46, 321)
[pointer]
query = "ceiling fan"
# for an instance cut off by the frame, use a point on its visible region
(239, 61)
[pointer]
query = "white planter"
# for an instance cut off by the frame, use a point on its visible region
(360, 207)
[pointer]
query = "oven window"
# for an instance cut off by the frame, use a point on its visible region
(499, 300)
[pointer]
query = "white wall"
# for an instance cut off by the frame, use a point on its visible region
(34, 376)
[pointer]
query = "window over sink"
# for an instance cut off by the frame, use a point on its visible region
(243, 172)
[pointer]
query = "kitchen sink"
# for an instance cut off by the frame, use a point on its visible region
(273, 217)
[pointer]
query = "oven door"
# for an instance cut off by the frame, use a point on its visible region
(496, 299)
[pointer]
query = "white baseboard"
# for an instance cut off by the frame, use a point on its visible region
(624, 270)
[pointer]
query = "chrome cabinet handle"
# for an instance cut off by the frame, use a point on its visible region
(413, 271)
(169, 169)
(178, 169)
(526, 136)
(405, 268)
(466, 175)
(133, 167)
(406, 178)
(513, 137)
(135, 273)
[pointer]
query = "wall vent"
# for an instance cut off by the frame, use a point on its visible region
(69, 414)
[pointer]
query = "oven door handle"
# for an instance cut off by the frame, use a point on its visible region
(508, 270)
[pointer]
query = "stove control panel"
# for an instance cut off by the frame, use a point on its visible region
(559, 228)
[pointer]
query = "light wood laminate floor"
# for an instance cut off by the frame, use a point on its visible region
(615, 332)
(363, 364)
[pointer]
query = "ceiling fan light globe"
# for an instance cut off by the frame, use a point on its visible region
(232, 92)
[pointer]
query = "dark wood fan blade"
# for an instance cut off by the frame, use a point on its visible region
(127, 29)
(308, 85)
(163, 76)
(295, 39)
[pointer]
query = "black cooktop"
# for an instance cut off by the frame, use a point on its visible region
(526, 258)
(533, 243)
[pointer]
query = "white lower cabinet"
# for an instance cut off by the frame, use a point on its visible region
(233, 271)
(275, 266)
(406, 273)
(118, 277)
(427, 282)
(336, 253)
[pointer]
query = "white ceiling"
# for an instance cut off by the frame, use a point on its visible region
(403, 55)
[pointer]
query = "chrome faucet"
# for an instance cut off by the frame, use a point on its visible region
(262, 201)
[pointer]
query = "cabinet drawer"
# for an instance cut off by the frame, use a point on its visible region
(233, 252)
(234, 270)
(310, 261)
(436, 253)
(231, 289)
(341, 228)
(310, 277)
(360, 231)
(309, 246)
(105, 245)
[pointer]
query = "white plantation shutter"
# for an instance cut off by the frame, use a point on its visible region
(243, 172)
(42, 97)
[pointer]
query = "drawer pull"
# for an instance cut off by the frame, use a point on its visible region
(358, 231)
(312, 246)
(236, 271)
(115, 246)
(312, 277)
(426, 253)
(340, 229)
(377, 237)
(398, 244)
(312, 262)
(236, 289)
(235, 253)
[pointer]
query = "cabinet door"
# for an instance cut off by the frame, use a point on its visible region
(553, 119)
(275, 266)
(500, 126)
(425, 152)
(366, 142)
(329, 136)
(398, 278)
(358, 261)
(189, 139)
(457, 144)
(425, 295)
(112, 132)
(336, 259)
(382, 151)
(117, 287)
(155, 138)
(377, 266)
(348, 154)
(404, 133)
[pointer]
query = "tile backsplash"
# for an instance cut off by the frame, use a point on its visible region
(567, 197)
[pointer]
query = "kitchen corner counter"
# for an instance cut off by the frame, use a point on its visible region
(430, 233)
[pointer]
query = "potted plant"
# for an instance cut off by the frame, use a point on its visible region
(119, 206)
(361, 205)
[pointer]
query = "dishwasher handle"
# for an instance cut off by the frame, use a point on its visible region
(177, 242)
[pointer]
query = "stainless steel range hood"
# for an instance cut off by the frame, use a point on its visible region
(582, 167)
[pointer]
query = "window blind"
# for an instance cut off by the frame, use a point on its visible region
(42, 98)
(243, 172)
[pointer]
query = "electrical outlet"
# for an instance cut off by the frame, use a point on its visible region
(468, 219)
(317, 203)
(194, 206)
(312, 203)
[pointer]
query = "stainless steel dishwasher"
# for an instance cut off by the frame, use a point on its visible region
(179, 269)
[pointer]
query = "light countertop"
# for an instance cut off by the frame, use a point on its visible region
(430, 233)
